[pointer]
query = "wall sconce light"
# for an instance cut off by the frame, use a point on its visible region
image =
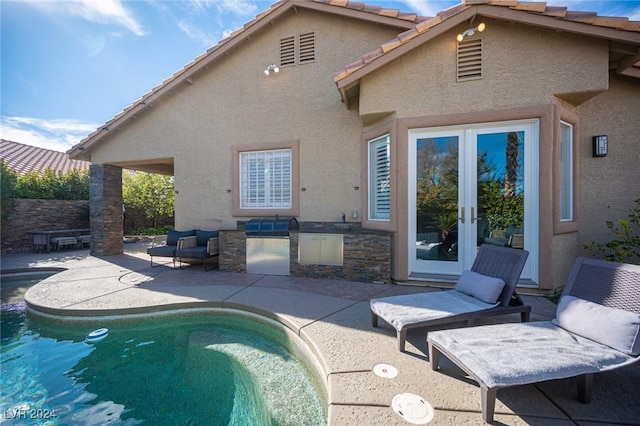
(600, 145)
(471, 31)
(271, 68)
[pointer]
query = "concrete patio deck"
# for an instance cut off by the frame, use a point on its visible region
(333, 318)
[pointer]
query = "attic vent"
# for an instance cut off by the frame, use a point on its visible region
(470, 60)
(307, 48)
(288, 51)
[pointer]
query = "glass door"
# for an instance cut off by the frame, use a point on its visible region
(435, 197)
(471, 186)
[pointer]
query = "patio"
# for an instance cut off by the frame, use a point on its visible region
(333, 318)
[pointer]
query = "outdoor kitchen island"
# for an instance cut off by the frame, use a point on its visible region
(342, 251)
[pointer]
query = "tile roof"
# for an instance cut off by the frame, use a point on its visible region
(390, 16)
(26, 158)
(534, 8)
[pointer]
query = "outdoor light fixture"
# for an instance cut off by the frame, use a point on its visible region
(600, 145)
(271, 68)
(471, 31)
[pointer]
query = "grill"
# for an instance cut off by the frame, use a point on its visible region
(270, 226)
(268, 245)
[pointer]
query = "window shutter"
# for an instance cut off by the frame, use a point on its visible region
(469, 60)
(307, 48)
(265, 179)
(379, 179)
(287, 51)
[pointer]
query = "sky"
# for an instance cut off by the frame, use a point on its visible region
(69, 66)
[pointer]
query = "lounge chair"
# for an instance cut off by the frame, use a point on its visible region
(499, 269)
(596, 329)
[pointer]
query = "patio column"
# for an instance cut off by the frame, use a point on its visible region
(105, 203)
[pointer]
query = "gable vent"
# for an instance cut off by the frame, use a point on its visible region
(307, 48)
(288, 51)
(469, 60)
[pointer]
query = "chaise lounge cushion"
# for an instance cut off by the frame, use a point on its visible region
(480, 286)
(515, 354)
(616, 328)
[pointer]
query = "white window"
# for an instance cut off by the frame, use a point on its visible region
(566, 171)
(379, 179)
(266, 179)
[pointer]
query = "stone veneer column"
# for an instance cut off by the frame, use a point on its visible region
(105, 203)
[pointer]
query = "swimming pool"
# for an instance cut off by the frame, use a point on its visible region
(190, 367)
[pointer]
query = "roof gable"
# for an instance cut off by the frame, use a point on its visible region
(356, 10)
(623, 34)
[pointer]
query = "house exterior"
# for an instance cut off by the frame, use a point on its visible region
(429, 136)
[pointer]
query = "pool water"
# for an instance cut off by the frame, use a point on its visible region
(201, 369)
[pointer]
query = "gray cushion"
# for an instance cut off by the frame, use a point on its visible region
(616, 328)
(173, 236)
(480, 286)
(202, 237)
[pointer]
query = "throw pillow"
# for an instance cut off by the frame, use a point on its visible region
(480, 286)
(616, 328)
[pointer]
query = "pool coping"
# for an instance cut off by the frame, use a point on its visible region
(332, 317)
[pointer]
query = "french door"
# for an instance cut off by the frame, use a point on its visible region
(468, 186)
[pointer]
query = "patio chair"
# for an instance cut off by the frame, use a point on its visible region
(166, 246)
(486, 290)
(203, 245)
(596, 329)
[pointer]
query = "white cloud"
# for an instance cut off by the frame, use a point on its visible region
(56, 134)
(99, 11)
(236, 7)
(426, 7)
(197, 34)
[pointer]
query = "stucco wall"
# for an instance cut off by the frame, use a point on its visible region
(609, 185)
(233, 102)
(525, 71)
(522, 67)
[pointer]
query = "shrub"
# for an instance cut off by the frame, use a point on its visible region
(625, 247)
(8, 181)
(162, 230)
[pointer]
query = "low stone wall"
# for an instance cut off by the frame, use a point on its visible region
(366, 254)
(38, 215)
(233, 253)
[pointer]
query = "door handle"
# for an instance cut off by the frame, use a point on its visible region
(461, 219)
(473, 215)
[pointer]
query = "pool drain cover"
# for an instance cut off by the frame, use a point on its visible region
(413, 408)
(385, 371)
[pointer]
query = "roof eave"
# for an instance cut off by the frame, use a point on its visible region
(488, 11)
(265, 18)
(444, 26)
